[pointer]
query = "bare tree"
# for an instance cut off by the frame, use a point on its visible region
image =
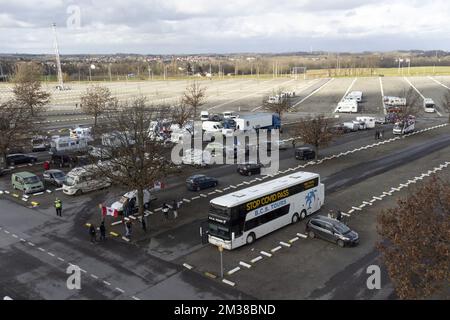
(412, 106)
(194, 96)
(181, 113)
(138, 155)
(280, 105)
(316, 131)
(446, 103)
(96, 101)
(16, 126)
(27, 88)
(415, 241)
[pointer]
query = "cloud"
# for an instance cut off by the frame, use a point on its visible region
(182, 26)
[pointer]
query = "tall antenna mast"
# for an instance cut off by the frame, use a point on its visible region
(58, 61)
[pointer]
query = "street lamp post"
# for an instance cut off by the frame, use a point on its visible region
(221, 260)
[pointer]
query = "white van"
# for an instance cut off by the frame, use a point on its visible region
(229, 115)
(212, 126)
(347, 106)
(355, 95)
(204, 115)
(351, 125)
(428, 105)
(369, 121)
(83, 179)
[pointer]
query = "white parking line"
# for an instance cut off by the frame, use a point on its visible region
(256, 259)
(302, 235)
(266, 254)
(233, 270)
(244, 264)
(312, 93)
(228, 282)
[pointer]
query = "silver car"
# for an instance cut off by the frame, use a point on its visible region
(54, 176)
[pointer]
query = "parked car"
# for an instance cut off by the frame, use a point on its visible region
(304, 153)
(200, 181)
(54, 176)
(247, 169)
(19, 158)
(331, 230)
(339, 129)
(26, 182)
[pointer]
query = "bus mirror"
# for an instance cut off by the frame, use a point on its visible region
(232, 236)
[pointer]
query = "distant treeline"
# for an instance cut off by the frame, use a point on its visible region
(140, 67)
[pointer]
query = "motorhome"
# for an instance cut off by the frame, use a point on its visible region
(394, 101)
(351, 126)
(39, 143)
(81, 132)
(347, 106)
(84, 179)
(404, 126)
(355, 95)
(369, 121)
(68, 144)
(204, 115)
(428, 105)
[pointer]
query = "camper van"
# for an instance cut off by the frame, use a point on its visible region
(354, 95)
(347, 106)
(428, 105)
(204, 115)
(369, 121)
(352, 126)
(84, 179)
(81, 133)
(39, 143)
(212, 126)
(67, 144)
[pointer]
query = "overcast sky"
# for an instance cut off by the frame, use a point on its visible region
(221, 26)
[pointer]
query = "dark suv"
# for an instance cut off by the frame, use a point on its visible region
(19, 158)
(200, 181)
(247, 169)
(331, 230)
(304, 153)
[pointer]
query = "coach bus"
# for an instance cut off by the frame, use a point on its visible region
(243, 216)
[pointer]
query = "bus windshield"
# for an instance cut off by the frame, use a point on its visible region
(219, 211)
(222, 231)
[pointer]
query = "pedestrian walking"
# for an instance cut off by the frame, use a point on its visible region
(165, 210)
(175, 207)
(382, 134)
(102, 231)
(376, 134)
(46, 165)
(293, 143)
(93, 233)
(144, 223)
(58, 207)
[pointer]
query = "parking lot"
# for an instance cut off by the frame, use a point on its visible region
(355, 168)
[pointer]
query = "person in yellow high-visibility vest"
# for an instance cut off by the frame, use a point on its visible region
(58, 207)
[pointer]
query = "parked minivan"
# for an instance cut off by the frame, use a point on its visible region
(84, 179)
(26, 182)
(331, 230)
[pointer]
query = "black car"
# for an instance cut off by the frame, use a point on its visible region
(305, 153)
(200, 181)
(19, 158)
(331, 230)
(247, 169)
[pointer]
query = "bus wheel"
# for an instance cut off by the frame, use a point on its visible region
(295, 218)
(311, 234)
(251, 238)
(303, 214)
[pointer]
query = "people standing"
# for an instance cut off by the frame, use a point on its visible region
(128, 227)
(165, 210)
(293, 143)
(339, 215)
(144, 223)
(58, 207)
(175, 207)
(92, 233)
(376, 134)
(46, 165)
(102, 231)
(382, 134)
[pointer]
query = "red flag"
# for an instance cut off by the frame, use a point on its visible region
(106, 211)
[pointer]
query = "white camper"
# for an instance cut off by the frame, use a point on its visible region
(347, 106)
(68, 144)
(204, 115)
(355, 95)
(84, 179)
(428, 105)
(369, 121)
